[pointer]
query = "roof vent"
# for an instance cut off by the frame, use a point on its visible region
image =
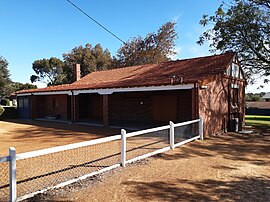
(176, 79)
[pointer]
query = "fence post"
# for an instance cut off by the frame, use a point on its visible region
(123, 147)
(201, 128)
(171, 135)
(12, 174)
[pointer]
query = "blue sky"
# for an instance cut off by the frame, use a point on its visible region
(32, 29)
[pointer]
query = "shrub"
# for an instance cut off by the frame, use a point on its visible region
(8, 102)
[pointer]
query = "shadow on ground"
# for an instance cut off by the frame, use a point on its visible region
(230, 146)
(59, 130)
(241, 189)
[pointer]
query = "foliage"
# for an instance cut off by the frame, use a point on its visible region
(242, 27)
(254, 97)
(51, 70)
(5, 81)
(1, 110)
(8, 102)
(90, 58)
(17, 86)
(155, 47)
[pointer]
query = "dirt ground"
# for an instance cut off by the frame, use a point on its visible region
(228, 167)
(31, 135)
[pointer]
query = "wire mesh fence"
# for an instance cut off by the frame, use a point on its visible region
(41, 172)
(185, 132)
(44, 169)
(147, 143)
(4, 181)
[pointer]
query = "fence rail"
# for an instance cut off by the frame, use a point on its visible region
(52, 150)
(34, 172)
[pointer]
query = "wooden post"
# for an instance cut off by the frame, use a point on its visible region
(12, 174)
(171, 135)
(123, 147)
(201, 128)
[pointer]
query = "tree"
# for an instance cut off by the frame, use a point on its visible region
(90, 58)
(5, 82)
(154, 48)
(254, 97)
(17, 86)
(242, 27)
(51, 70)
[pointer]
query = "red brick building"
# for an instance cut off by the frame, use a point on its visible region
(153, 94)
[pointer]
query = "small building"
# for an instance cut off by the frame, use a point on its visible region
(147, 95)
(266, 97)
(258, 108)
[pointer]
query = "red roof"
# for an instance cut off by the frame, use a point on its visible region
(190, 70)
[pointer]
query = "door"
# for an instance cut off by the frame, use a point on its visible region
(23, 107)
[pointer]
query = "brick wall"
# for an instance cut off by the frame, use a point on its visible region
(172, 105)
(105, 108)
(213, 104)
(50, 106)
(34, 107)
(75, 108)
(185, 106)
(130, 107)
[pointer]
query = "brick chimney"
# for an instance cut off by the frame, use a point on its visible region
(76, 72)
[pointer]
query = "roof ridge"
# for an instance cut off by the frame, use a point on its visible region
(208, 56)
(125, 67)
(178, 60)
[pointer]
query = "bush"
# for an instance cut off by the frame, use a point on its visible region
(1, 110)
(5, 102)
(8, 102)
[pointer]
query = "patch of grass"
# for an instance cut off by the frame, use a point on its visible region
(257, 120)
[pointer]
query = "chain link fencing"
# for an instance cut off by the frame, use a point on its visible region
(185, 132)
(54, 167)
(49, 170)
(4, 181)
(140, 145)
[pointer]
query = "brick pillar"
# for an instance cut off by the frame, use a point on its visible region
(33, 104)
(74, 108)
(195, 102)
(105, 110)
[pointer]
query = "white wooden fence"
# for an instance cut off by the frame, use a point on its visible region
(133, 146)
